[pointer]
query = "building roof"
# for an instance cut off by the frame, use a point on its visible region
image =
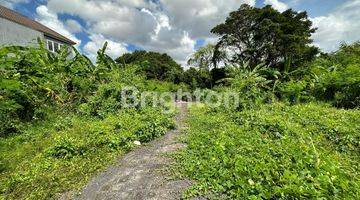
(20, 19)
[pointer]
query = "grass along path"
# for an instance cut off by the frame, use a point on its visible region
(138, 175)
(62, 153)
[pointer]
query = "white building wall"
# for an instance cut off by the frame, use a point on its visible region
(12, 33)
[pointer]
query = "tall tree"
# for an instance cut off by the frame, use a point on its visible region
(264, 35)
(203, 57)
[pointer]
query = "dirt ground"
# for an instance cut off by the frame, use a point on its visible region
(139, 174)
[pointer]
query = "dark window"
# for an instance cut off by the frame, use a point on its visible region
(56, 47)
(50, 45)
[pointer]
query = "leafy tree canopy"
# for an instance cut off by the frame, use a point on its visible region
(264, 35)
(155, 65)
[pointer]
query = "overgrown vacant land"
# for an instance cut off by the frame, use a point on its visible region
(290, 128)
(274, 151)
(62, 120)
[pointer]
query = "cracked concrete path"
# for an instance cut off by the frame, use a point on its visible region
(138, 174)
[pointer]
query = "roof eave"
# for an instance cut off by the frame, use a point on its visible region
(67, 41)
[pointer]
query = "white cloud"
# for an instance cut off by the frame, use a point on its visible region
(114, 49)
(169, 26)
(175, 43)
(278, 5)
(73, 26)
(50, 19)
(198, 17)
(185, 50)
(115, 19)
(340, 26)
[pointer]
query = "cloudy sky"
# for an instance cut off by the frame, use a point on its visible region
(176, 27)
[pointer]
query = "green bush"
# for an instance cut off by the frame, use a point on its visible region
(333, 78)
(154, 127)
(296, 91)
(33, 79)
(340, 85)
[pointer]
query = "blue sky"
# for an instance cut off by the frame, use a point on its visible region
(315, 8)
(176, 27)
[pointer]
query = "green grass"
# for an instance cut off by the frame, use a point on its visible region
(62, 153)
(273, 152)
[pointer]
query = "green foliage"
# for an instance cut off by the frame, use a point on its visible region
(63, 152)
(273, 152)
(243, 76)
(154, 65)
(334, 78)
(33, 79)
(153, 128)
(202, 78)
(68, 119)
(252, 86)
(264, 35)
(267, 150)
(338, 77)
(197, 78)
(295, 91)
(62, 119)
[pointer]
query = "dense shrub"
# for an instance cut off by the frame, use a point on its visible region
(338, 77)
(33, 79)
(333, 78)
